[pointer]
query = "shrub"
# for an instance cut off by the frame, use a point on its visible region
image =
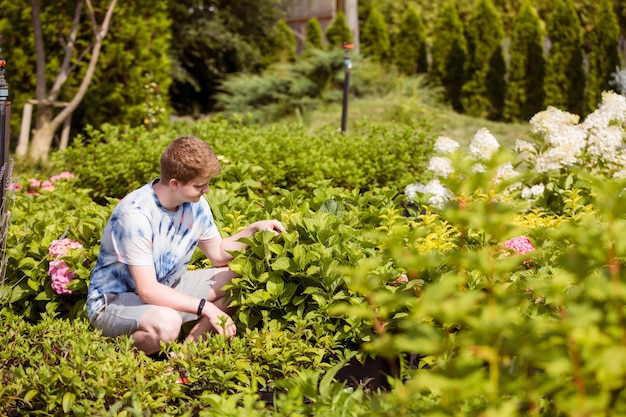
(375, 42)
(313, 34)
(482, 95)
(524, 94)
(565, 78)
(411, 53)
(338, 31)
(449, 54)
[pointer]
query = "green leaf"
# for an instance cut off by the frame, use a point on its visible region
(68, 401)
(275, 286)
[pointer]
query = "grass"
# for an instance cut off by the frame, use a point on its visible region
(401, 108)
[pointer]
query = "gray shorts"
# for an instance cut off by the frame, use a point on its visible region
(122, 311)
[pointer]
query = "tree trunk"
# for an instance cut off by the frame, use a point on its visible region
(43, 134)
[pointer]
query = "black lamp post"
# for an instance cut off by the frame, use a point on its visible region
(346, 83)
(5, 169)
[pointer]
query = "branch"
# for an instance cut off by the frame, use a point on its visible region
(65, 69)
(39, 50)
(93, 62)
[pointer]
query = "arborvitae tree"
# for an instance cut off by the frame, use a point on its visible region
(603, 55)
(449, 54)
(375, 37)
(313, 34)
(410, 52)
(565, 78)
(483, 94)
(524, 94)
(338, 32)
(281, 44)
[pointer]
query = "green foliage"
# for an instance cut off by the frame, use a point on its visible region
(140, 32)
(281, 45)
(564, 83)
(37, 220)
(374, 38)
(524, 94)
(114, 160)
(603, 54)
(449, 55)
(281, 90)
(213, 39)
(338, 32)
(483, 93)
(411, 54)
(313, 35)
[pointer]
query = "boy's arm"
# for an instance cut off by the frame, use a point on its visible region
(217, 249)
(150, 291)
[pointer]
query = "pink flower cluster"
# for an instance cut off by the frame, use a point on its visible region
(34, 185)
(58, 270)
(520, 245)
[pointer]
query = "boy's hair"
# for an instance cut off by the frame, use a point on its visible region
(188, 157)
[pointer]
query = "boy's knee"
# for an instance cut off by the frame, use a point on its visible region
(165, 323)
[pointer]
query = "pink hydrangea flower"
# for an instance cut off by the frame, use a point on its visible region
(520, 245)
(47, 185)
(62, 175)
(58, 270)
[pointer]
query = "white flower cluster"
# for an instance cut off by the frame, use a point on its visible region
(482, 148)
(562, 142)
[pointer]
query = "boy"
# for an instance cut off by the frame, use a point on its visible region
(140, 284)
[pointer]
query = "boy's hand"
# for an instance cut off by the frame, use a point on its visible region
(269, 225)
(221, 322)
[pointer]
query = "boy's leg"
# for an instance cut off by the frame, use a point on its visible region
(210, 282)
(147, 324)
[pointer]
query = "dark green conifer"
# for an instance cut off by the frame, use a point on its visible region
(483, 94)
(338, 32)
(410, 51)
(449, 54)
(375, 37)
(603, 55)
(565, 78)
(524, 94)
(313, 34)
(281, 46)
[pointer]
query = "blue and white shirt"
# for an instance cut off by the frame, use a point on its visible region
(142, 232)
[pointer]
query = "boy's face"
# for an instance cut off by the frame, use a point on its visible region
(193, 190)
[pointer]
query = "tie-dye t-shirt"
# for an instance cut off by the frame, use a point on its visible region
(141, 232)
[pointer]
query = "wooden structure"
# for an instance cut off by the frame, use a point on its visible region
(299, 12)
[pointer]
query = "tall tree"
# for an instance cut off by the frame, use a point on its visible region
(338, 31)
(449, 54)
(483, 94)
(213, 39)
(281, 44)
(565, 77)
(375, 41)
(46, 121)
(313, 38)
(603, 56)
(524, 94)
(410, 50)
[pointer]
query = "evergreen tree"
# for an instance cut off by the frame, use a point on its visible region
(375, 37)
(565, 78)
(411, 55)
(483, 94)
(524, 94)
(603, 55)
(338, 32)
(313, 34)
(449, 54)
(281, 44)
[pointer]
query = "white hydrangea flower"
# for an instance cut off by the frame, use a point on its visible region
(505, 172)
(479, 168)
(444, 145)
(439, 194)
(611, 109)
(441, 166)
(551, 120)
(533, 192)
(483, 145)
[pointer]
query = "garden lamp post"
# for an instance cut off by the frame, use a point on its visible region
(346, 83)
(5, 170)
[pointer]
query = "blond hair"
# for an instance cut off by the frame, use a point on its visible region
(188, 157)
